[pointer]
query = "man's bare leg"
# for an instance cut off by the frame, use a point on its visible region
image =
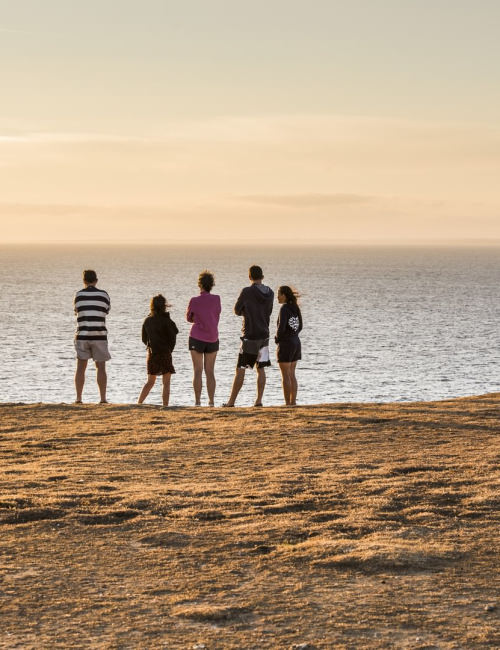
(239, 377)
(102, 379)
(81, 366)
(261, 384)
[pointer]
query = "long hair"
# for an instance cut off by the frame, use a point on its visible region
(158, 305)
(292, 296)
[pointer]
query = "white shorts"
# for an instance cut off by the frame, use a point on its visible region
(97, 350)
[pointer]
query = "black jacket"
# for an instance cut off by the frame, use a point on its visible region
(289, 323)
(255, 304)
(159, 333)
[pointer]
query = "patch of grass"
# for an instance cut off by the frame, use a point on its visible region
(364, 526)
(212, 613)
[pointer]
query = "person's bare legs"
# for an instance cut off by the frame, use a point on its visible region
(261, 384)
(81, 366)
(146, 388)
(286, 380)
(209, 363)
(239, 377)
(293, 384)
(166, 388)
(197, 358)
(102, 379)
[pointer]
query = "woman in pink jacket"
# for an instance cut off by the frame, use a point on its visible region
(204, 312)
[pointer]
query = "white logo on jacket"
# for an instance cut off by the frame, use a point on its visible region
(294, 323)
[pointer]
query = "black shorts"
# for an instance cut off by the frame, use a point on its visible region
(254, 352)
(203, 346)
(289, 351)
(246, 360)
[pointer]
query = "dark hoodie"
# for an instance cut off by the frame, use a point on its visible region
(255, 304)
(289, 323)
(159, 333)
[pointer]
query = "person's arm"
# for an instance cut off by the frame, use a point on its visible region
(171, 332)
(300, 321)
(271, 305)
(218, 310)
(144, 335)
(282, 321)
(108, 306)
(189, 313)
(239, 307)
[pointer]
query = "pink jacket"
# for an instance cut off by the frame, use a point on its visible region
(204, 312)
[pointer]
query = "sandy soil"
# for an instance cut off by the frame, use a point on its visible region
(336, 526)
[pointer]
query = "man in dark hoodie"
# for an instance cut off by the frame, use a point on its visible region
(255, 304)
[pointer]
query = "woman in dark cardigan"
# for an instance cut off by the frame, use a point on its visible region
(159, 335)
(287, 339)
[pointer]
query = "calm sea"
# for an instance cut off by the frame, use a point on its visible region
(380, 324)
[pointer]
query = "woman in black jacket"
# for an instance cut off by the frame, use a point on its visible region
(287, 339)
(159, 335)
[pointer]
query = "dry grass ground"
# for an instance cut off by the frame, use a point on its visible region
(336, 526)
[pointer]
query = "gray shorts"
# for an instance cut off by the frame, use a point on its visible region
(97, 350)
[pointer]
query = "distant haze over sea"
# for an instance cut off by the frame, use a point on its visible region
(380, 323)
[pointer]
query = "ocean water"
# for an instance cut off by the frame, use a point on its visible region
(380, 324)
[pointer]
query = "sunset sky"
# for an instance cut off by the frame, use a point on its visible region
(228, 120)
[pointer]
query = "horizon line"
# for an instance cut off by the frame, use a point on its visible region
(315, 243)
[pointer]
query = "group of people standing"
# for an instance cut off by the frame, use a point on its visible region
(159, 334)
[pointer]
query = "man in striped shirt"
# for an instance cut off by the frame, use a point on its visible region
(91, 338)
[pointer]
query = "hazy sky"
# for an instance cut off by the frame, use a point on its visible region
(360, 120)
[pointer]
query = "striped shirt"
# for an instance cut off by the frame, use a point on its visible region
(91, 306)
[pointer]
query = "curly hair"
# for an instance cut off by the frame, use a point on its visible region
(206, 281)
